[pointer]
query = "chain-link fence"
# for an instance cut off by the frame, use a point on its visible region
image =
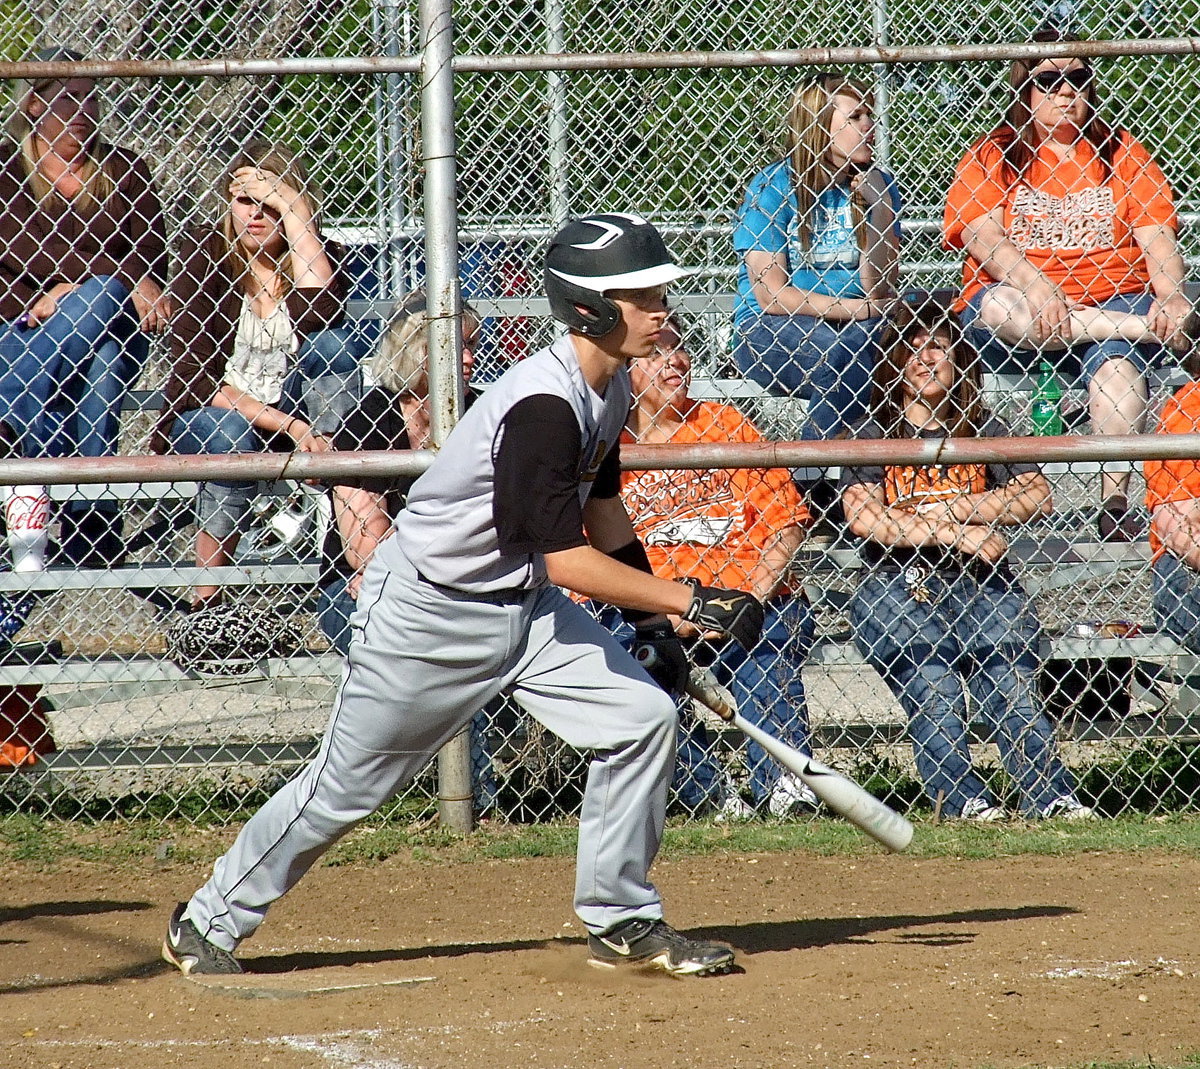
(918, 614)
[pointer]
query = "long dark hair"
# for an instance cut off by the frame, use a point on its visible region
(908, 323)
(1016, 136)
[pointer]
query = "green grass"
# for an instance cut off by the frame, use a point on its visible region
(45, 844)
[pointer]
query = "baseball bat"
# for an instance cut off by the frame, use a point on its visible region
(838, 792)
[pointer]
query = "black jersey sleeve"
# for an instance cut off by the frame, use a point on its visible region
(608, 477)
(535, 506)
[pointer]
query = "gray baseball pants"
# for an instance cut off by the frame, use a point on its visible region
(421, 662)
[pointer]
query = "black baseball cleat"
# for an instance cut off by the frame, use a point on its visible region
(190, 952)
(655, 944)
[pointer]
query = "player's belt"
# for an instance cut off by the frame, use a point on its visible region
(491, 597)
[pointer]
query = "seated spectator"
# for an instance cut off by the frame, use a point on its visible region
(734, 528)
(819, 236)
(938, 612)
(393, 414)
(82, 264)
(24, 725)
(1173, 498)
(1070, 234)
(257, 344)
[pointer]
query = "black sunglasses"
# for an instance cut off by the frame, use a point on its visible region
(1050, 81)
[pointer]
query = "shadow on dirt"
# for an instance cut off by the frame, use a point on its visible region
(750, 938)
(764, 937)
(36, 910)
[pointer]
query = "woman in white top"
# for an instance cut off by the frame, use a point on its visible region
(258, 344)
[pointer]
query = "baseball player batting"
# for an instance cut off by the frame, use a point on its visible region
(463, 603)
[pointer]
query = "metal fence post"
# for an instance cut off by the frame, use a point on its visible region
(445, 326)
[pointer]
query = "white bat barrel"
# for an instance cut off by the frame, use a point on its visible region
(842, 795)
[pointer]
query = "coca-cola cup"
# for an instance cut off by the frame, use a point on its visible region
(27, 516)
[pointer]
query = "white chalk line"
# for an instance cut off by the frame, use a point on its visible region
(347, 1049)
(1113, 970)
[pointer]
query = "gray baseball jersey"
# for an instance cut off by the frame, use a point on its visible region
(455, 609)
(450, 529)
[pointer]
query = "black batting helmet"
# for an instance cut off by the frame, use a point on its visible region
(597, 253)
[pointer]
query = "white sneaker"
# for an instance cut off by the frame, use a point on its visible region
(1068, 807)
(734, 810)
(982, 811)
(790, 796)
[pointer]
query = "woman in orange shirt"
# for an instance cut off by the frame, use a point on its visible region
(738, 526)
(1070, 233)
(1173, 500)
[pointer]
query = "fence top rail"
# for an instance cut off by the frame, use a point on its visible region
(567, 61)
(821, 454)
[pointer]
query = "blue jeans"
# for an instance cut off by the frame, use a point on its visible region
(768, 687)
(977, 635)
(1176, 598)
(62, 383)
(335, 606)
(1077, 360)
(325, 363)
(827, 364)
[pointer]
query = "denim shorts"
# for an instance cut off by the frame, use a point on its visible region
(1176, 596)
(1077, 361)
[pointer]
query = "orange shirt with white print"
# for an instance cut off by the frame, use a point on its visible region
(1174, 480)
(711, 525)
(1070, 223)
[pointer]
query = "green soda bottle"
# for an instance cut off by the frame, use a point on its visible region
(1047, 402)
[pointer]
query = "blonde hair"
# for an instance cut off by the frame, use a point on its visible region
(808, 142)
(285, 163)
(400, 361)
(96, 182)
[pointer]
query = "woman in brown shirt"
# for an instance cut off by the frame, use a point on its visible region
(82, 261)
(257, 336)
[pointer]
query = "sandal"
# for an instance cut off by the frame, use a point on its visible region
(1117, 522)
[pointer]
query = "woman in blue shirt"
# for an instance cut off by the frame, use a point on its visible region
(819, 236)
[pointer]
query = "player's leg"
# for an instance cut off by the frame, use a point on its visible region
(419, 668)
(698, 783)
(574, 677)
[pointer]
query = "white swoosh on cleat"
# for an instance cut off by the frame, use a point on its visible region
(619, 948)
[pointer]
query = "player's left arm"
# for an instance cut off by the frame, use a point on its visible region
(591, 570)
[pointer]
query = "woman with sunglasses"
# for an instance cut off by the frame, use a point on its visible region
(818, 235)
(258, 347)
(83, 258)
(1069, 230)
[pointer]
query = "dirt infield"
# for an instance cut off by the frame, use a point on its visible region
(884, 961)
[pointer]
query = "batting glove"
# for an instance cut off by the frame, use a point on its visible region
(734, 612)
(660, 652)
